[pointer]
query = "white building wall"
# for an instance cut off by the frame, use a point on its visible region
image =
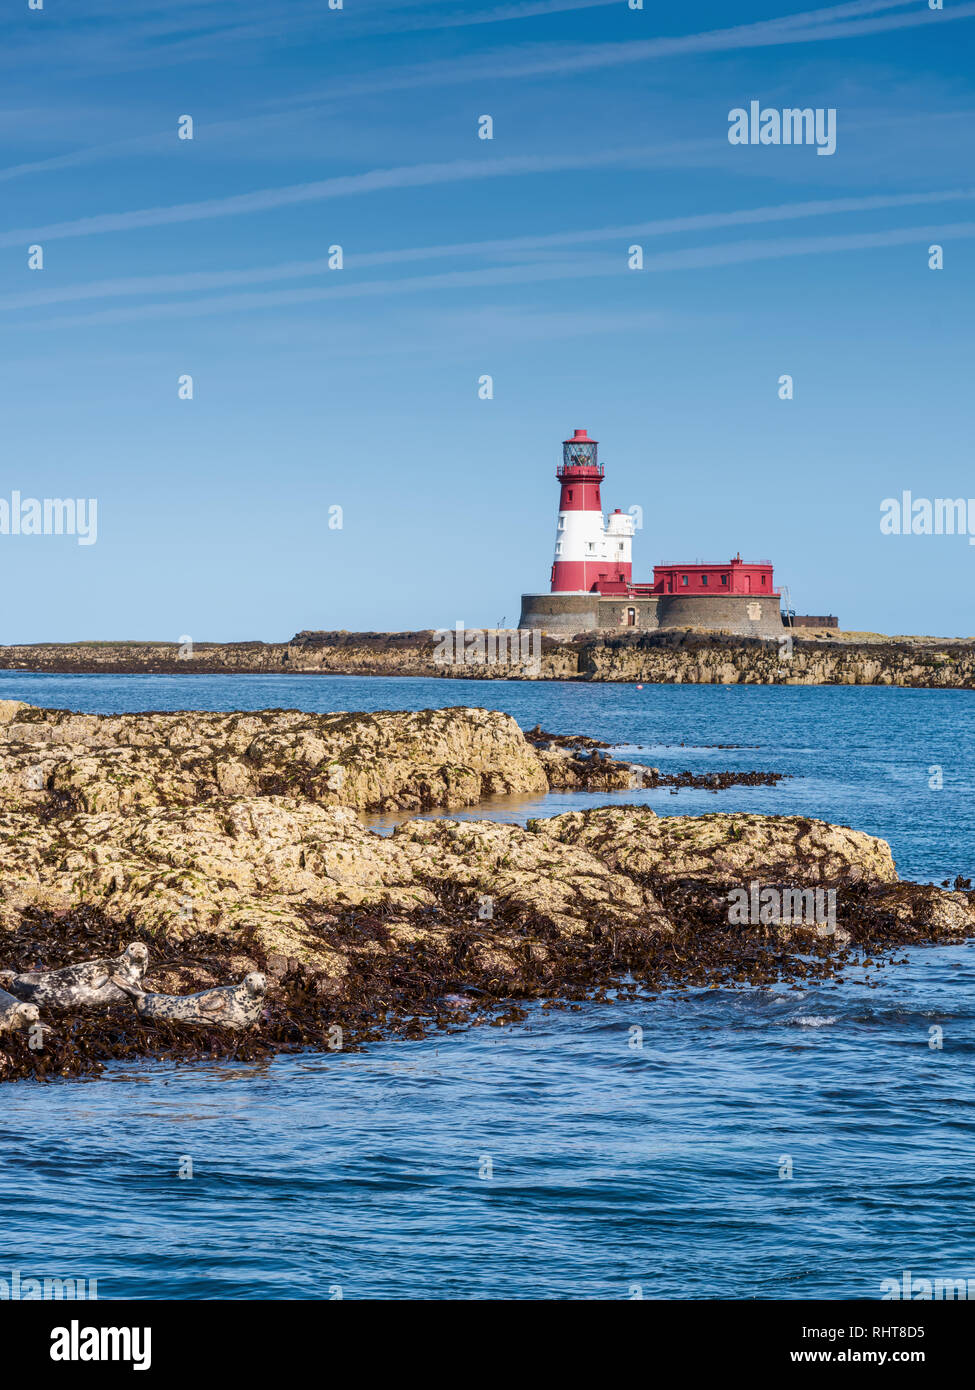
(619, 538)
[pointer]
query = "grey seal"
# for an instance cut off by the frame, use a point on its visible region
(15, 1014)
(228, 1006)
(91, 982)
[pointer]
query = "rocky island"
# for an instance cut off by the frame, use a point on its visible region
(236, 843)
(673, 657)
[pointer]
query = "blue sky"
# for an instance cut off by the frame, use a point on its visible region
(357, 388)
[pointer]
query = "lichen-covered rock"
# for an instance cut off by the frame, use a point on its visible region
(567, 771)
(263, 868)
(721, 849)
(252, 866)
(926, 908)
(263, 871)
(389, 760)
(562, 885)
(369, 931)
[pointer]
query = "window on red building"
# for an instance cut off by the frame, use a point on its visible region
(683, 579)
(704, 579)
(724, 579)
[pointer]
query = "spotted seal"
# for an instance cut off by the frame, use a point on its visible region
(229, 1006)
(15, 1014)
(91, 982)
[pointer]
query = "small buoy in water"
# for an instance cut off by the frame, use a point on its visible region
(639, 687)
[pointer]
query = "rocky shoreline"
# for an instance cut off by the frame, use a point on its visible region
(678, 657)
(228, 844)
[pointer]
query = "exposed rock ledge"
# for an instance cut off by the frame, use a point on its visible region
(828, 657)
(389, 760)
(58, 762)
(372, 933)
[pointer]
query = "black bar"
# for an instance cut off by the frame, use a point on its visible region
(253, 1339)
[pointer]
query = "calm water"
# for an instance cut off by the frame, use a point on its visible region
(554, 1159)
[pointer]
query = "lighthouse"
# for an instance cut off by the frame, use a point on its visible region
(588, 553)
(591, 583)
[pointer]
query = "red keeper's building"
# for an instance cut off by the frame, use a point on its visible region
(733, 577)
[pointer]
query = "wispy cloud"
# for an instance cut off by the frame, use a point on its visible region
(182, 32)
(689, 258)
(835, 22)
(499, 14)
(678, 153)
(737, 253)
(196, 281)
(831, 22)
(152, 142)
(348, 185)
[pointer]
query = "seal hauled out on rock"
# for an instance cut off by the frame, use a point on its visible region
(91, 982)
(229, 1006)
(15, 1014)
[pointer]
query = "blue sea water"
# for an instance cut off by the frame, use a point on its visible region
(787, 1143)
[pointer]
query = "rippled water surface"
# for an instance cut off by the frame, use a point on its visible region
(567, 1156)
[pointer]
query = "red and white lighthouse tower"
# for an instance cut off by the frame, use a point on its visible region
(587, 553)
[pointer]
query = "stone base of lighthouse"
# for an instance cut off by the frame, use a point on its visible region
(565, 615)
